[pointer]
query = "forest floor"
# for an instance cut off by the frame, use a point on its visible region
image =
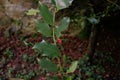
(18, 59)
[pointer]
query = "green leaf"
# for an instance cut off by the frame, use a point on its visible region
(47, 49)
(43, 28)
(61, 4)
(32, 12)
(53, 2)
(46, 14)
(64, 24)
(73, 67)
(70, 78)
(57, 32)
(48, 65)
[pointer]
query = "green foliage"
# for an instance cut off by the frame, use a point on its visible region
(46, 14)
(53, 2)
(61, 4)
(32, 12)
(43, 28)
(73, 67)
(70, 78)
(62, 26)
(47, 49)
(48, 65)
(48, 28)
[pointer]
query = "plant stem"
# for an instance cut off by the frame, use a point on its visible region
(54, 39)
(54, 36)
(60, 66)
